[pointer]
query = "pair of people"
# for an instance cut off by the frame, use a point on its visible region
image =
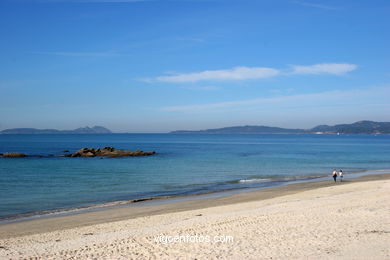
(340, 174)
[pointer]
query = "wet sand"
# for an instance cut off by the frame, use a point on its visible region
(47, 224)
(349, 220)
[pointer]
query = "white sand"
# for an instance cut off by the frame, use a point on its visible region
(340, 222)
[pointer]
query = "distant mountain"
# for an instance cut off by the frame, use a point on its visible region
(361, 127)
(91, 130)
(81, 130)
(244, 130)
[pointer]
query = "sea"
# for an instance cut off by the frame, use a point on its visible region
(184, 164)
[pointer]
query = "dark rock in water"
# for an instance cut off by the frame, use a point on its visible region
(89, 152)
(110, 149)
(107, 152)
(66, 151)
(13, 155)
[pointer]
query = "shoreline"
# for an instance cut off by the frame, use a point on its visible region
(109, 214)
(167, 199)
(163, 199)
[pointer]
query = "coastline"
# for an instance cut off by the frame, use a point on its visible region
(112, 212)
(315, 220)
(186, 166)
(254, 185)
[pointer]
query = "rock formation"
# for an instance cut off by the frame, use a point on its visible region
(13, 155)
(107, 152)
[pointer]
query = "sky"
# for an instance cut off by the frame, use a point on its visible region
(163, 65)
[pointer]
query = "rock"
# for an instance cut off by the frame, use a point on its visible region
(66, 151)
(107, 152)
(13, 155)
(109, 149)
(89, 154)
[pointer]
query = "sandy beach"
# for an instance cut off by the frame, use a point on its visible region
(318, 220)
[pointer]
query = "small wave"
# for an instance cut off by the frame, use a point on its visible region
(381, 170)
(301, 178)
(253, 180)
(281, 178)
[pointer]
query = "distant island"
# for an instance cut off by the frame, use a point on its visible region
(81, 130)
(360, 127)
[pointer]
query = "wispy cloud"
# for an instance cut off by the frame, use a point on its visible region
(237, 73)
(78, 54)
(238, 103)
(202, 88)
(312, 99)
(324, 68)
(315, 5)
(252, 73)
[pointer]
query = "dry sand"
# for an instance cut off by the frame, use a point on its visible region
(348, 220)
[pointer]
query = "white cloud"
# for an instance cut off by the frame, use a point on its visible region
(237, 73)
(251, 73)
(324, 68)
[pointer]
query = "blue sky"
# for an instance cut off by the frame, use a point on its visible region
(156, 66)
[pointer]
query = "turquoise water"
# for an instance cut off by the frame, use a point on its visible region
(184, 164)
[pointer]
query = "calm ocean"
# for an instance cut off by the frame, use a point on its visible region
(184, 164)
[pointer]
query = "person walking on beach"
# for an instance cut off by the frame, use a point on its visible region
(341, 175)
(334, 175)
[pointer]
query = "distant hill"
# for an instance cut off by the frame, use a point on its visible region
(244, 130)
(81, 130)
(361, 127)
